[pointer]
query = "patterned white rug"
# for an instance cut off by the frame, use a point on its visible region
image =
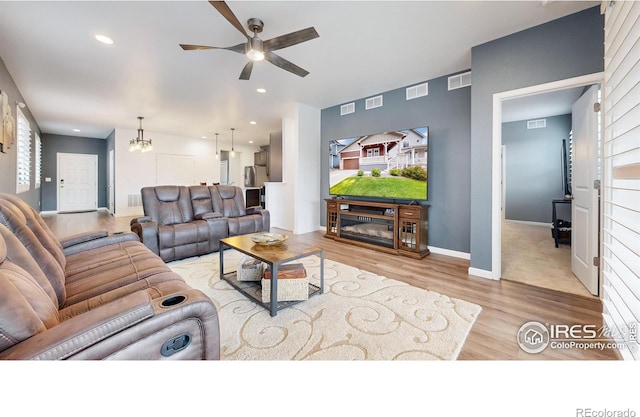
(361, 316)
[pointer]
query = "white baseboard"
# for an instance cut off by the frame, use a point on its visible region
(449, 252)
(529, 223)
(482, 273)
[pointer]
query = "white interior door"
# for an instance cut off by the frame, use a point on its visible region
(77, 182)
(584, 207)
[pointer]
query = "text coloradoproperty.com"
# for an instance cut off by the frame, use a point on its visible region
(587, 345)
(590, 412)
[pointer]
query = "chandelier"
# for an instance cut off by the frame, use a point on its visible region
(139, 143)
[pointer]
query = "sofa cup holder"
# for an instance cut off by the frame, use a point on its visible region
(173, 300)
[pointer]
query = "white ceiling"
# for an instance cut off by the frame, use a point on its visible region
(69, 80)
(554, 103)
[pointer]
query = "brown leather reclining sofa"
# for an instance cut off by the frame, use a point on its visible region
(94, 296)
(184, 221)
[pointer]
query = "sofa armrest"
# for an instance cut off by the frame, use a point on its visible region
(84, 245)
(266, 217)
(209, 215)
(254, 210)
(147, 232)
(142, 219)
(91, 241)
(132, 327)
(82, 237)
(81, 331)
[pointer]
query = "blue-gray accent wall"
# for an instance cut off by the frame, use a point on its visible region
(8, 158)
(564, 48)
(533, 169)
(54, 144)
(448, 115)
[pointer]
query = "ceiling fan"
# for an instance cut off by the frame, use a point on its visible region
(255, 48)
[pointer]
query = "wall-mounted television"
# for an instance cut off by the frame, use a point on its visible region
(386, 165)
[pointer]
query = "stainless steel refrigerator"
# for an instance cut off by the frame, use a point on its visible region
(250, 176)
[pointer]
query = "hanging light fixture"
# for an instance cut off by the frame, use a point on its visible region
(139, 143)
(216, 146)
(232, 150)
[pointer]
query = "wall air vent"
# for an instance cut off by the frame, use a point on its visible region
(536, 124)
(460, 80)
(347, 108)
(134, 200)
(373, 102)
(416, 91)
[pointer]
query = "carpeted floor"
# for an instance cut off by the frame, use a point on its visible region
(361, 316)
(529, 256)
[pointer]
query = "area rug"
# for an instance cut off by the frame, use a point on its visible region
(360, 316)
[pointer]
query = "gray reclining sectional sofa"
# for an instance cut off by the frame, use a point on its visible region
(94, 296)
(184, 221)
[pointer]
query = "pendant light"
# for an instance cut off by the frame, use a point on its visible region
(216, 146)
(232, 150)
(139, 143)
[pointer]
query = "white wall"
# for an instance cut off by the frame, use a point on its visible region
(295, 203)
(135, 170)
(307, 195)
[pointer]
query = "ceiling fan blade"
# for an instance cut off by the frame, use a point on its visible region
(225, 11)
(278, 61)
(290, 39)
(197, 47)
(239, 48)
(246, 71)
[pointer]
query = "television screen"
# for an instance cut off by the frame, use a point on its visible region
(390, 165)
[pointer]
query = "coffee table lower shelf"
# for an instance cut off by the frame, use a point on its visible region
(253, 291)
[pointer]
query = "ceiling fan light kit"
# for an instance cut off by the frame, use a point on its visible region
(255, 48)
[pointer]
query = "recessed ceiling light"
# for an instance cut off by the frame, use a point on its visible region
(76, 130)
(252, 122)
(104, 39)
(203, 137)
(261, 90)
(250, 141)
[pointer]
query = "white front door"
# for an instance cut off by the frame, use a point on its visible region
(77, 182)
(584, 207)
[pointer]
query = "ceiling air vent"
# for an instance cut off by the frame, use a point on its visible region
(416, 91)
(373, 102)
(536, 124)
(460, 80)
(347, 108)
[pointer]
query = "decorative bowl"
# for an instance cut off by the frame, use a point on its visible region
(268, 239)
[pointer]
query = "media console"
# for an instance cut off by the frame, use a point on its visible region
(394, 228)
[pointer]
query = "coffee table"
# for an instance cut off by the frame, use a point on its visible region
(274, 255)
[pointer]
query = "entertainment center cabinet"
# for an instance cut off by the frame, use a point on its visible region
(394, 228)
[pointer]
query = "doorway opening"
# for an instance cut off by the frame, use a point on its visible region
(522, 240)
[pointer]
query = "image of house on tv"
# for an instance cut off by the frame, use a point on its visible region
(399, 149)
(398, 154)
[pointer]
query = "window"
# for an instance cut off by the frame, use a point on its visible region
(38, 157)
(24, 153)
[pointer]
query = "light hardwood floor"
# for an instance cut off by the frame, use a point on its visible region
(506, 305)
